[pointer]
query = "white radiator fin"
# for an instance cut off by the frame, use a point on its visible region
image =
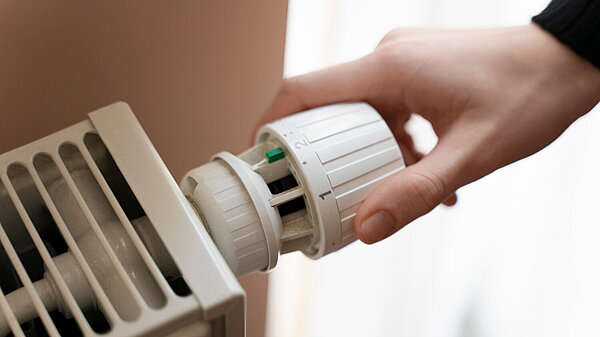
(29, 161)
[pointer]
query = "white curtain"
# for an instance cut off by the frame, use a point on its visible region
(518, 256)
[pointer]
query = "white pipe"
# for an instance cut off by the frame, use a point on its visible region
(69, 269)
(22, 306)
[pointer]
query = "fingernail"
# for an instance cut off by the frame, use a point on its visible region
(377, 227)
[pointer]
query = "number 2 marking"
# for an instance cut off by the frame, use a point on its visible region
(299, 145)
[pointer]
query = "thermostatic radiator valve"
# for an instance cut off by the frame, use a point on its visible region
(298, 188)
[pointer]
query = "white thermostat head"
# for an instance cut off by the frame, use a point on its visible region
(298, 188)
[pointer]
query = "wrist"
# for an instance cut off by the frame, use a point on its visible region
(564, 72)
(576, 24)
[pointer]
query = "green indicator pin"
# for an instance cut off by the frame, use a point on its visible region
(274, 155)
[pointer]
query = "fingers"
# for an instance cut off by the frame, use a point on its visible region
(352, 81)
(411, 156)
(451, 200)
(406, 196)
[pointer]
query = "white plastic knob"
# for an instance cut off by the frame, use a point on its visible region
(298, 188)
(341, 153)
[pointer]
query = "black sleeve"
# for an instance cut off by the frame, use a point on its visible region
(576, 23)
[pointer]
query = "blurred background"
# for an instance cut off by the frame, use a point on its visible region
(517, 256)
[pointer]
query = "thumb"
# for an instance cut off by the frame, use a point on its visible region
(402, 198)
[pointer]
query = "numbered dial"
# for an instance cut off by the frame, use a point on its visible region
(298, 188)
(338, 155)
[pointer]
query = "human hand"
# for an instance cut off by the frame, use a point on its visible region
(492, 97)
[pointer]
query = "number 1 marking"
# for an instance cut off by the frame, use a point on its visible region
(322, 195)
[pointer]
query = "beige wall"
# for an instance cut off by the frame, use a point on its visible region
(196, 73)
